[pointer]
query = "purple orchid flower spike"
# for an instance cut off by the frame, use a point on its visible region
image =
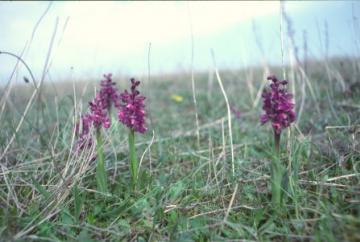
(278, 106)
(132, 109)
(99, 115)
(99, 111)
(108, 92)
(85, 139)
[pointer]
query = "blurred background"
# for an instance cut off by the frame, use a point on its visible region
(87, 39)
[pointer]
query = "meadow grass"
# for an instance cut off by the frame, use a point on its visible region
(186, 188)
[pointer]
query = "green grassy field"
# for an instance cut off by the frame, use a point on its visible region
(187, 191)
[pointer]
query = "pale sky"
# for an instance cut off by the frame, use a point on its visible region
(99, 37)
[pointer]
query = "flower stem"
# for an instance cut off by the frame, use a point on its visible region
(101, 176)
(277, 142)
(276, 177)
(276, 174)
(133, 159)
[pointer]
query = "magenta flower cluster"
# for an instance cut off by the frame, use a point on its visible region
(132, 109)
(278, 105)
(108, 92)
(84, 140)
(99, 112)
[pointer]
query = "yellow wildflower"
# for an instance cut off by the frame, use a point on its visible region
(177, 98)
